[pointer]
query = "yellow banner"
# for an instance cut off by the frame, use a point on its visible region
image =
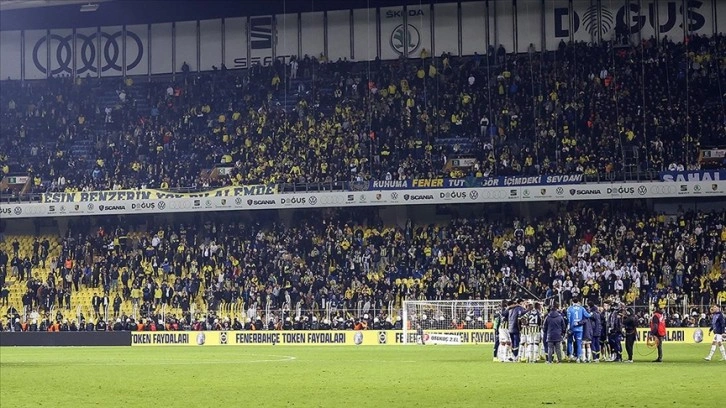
(153, 194)
(340, 337)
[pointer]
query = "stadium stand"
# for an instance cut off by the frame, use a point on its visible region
(351, 265)
(625, 112)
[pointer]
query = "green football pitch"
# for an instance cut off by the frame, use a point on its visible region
(348, 376)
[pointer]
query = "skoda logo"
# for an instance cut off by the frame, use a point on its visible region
(399, 36)
(62, 53)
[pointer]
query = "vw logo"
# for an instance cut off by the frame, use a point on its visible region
(162, 205)
(313, 200)
(90, 206)
(238, 201)
(87, 52)
(642, 190)
(474, 195)
(560, 191)
(18, 210)
(394, 196)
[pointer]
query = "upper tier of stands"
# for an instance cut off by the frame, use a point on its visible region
(583, 109)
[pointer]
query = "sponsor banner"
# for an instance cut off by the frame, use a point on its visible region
(446, 183)
(349, 337)
(225, 200)
(255, 338)
(692, 176)
(147, 194)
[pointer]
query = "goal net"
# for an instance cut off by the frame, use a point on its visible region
(426, 317)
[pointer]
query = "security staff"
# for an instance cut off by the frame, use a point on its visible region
(630, 324)
(658, 331)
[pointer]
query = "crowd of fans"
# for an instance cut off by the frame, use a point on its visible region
(582, 109)
(337, 266)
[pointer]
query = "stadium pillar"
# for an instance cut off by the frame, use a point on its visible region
(486, 29)
(496, 29)
(571, 20)
(514, 26)
(173, 50)
(378, 32)
(249, 40)
(123, 51)
(199, 45)
(299, 34)
(405, 31)
(432, 27)
(73, 52)
(325, 35)
(47, 53)
(458, 28)
(352, 34)
(148, 51)
(224, 40)
(543, 21)
(22, 56)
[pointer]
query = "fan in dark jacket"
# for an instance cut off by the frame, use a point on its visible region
(554, 331)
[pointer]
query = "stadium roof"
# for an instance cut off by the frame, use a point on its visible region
(49, 14)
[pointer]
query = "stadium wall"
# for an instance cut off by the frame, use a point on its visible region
(23, 339)
(362, 34)
(256, 338)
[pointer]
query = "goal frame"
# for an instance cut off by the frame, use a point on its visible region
(489, 305)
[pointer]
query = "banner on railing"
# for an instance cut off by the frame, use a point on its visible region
(153, 194)
(223, 200)
(346, 337)
(502, 181)
(693, 176)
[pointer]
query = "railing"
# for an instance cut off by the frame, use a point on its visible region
(290, 188)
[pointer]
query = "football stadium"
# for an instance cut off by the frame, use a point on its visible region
(362, 203)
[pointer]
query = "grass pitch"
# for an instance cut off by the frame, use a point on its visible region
(343, 376)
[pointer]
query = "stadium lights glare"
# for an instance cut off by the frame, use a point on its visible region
(87, 8)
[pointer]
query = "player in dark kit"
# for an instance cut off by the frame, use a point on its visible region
(515, 313)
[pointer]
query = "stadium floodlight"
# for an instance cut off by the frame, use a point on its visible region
(444, 317)
(90, 7)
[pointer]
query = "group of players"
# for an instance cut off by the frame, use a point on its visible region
(588, 334)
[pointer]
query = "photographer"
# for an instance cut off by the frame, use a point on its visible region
(630, 324)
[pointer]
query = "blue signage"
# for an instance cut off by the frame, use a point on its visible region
(696, 175)
(475, 182)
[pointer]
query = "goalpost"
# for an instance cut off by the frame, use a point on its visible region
(436, 317)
